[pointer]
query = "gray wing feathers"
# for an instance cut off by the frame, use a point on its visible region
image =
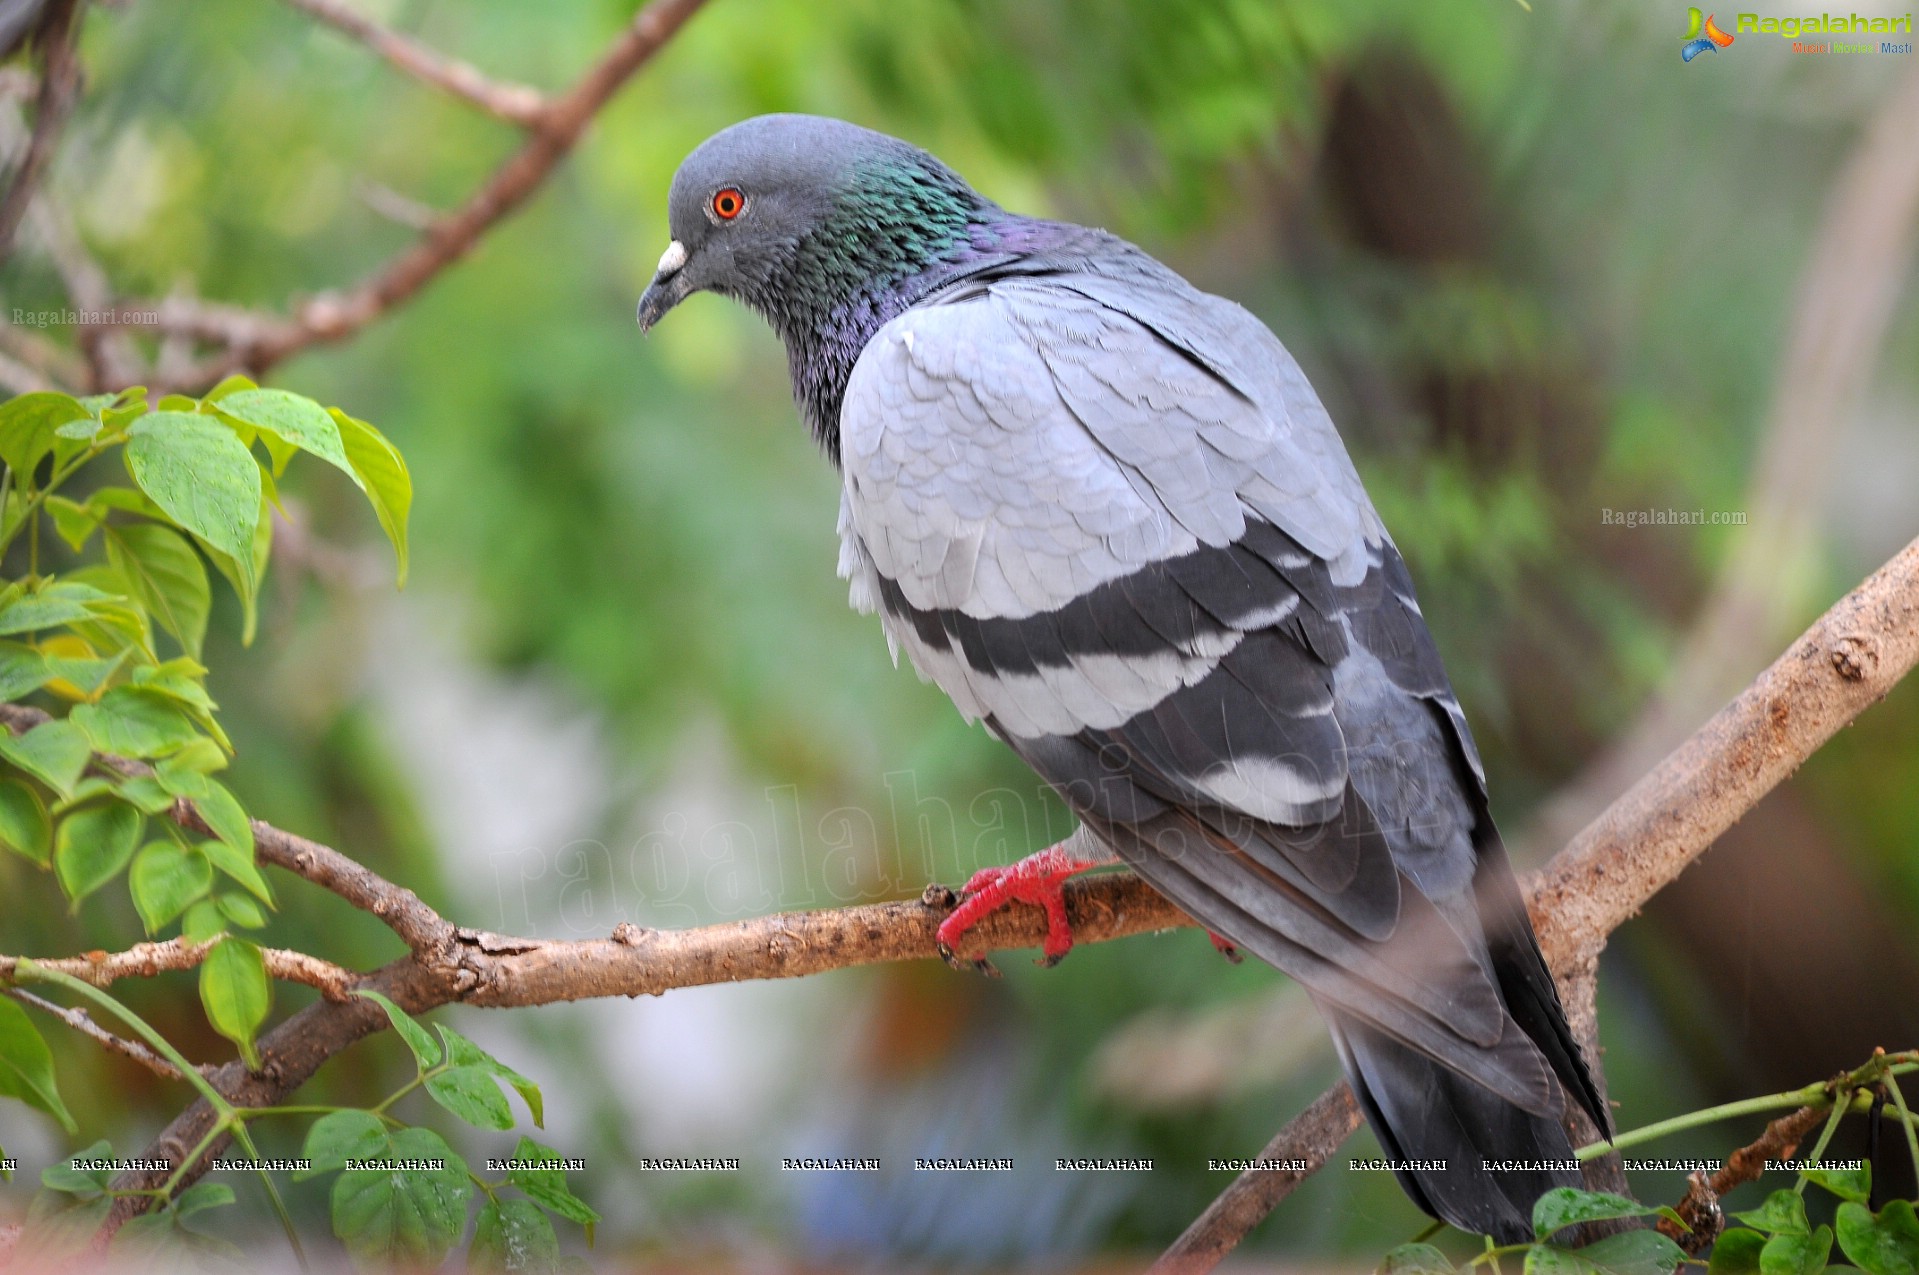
(1064, 443)
(1156, 575)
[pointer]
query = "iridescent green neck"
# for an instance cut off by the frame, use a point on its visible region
(897, 230)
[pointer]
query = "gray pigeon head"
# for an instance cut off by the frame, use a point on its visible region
(797, 215)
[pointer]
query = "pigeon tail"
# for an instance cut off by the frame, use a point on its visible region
(1464, 1154)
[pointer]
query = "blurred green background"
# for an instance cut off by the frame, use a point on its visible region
(1537, 267)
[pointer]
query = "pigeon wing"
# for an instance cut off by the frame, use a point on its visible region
(1115, 525)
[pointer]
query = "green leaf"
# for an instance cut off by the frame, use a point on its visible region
(202, 475)
(233, 852)
(472, 1094)
(513, 1235)
(67, 1178)
(134, 722)
(228, 386)
(26, 1065)
(1847, 1184)
(223, 813)
(23, 670)
(200, 1197)
(129, 500)
(184, 773)
(1783, 1213)
(168, 878)
(24, 826)
(144, 793)
(53, 752)
(548, 1186)
(203, 920)
(1736, 1253)
(27, 429)
(237, 994)
(426, 1050)
(1632, 1253)
(404, 1217)
(1415, 1259)
(246, 577)
(180, 681)
(1887, 1244)
(161, 1239)
(383, 472)
(85, 791)
(1796, 1254)
(241, 910)
(93, 845)
(340, 1136)
(1567, 1206)
(85, 674)
(53, 606)
(74, 522)
(167, 578)
(294, 419)
(461, 1052)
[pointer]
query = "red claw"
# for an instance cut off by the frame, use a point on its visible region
(1039, 879)
(1226, 948)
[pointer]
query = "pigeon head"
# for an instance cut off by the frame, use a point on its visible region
(825, 229)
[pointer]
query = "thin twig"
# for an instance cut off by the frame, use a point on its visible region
(59, 86)
(514, 103)
(82, 1022)
(334, 316)
(1306, 1143)
(146, 960)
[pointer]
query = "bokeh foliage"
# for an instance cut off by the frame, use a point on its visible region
(1535, 270)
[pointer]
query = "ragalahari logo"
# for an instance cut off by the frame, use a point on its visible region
(1702, 36)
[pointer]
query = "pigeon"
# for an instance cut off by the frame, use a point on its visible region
(1106, 514)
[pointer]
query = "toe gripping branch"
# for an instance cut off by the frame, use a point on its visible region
(1039, 879)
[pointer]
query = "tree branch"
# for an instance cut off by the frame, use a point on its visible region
(514, 103)
(1700, 1205)
(1847, 661)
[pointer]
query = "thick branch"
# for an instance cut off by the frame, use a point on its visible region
(514, 103)
(1847, 296)
(334, 316)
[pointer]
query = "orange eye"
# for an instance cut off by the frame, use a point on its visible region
(728, 204)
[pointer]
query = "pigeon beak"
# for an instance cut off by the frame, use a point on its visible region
(668, 289)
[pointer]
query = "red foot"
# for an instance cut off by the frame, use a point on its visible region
(1037, 879)
(1226, 948)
